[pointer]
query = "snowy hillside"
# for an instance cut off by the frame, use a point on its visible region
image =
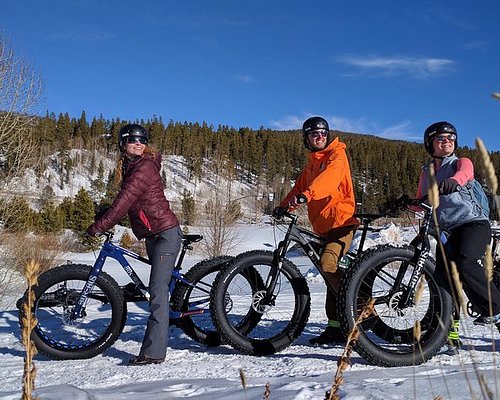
(174, 169)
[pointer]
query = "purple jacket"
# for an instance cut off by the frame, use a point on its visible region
(142, 197)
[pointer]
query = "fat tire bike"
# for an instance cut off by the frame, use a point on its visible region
(412, 312)
(81, 310)
(268, 292)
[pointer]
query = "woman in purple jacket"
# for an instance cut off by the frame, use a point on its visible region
(142, 197)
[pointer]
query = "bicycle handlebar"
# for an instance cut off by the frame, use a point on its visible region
(404, 202)
(108, 237)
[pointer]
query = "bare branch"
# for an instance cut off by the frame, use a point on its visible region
(20, 92)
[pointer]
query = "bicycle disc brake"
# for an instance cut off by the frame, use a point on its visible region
(394, 304)
(471, 311)
(258, 302)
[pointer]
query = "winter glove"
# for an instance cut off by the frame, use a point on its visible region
(448, 186)
(92, 231)
(278, 212)
(297, 201)
(401, 203)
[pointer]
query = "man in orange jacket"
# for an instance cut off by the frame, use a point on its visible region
(325, 184)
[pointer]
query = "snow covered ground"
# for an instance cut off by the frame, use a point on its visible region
(299, 372)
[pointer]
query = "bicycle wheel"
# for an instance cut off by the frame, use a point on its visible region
(496, 276)
(191, 301)
(57, 335)
(240, 314)
(386, 337)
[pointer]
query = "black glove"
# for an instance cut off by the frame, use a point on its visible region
(278, 212)
(448, 186)
(402, 202)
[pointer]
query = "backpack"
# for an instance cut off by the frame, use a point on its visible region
(479, 197)
(478, 194)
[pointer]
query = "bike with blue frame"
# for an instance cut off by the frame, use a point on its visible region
(81, 310)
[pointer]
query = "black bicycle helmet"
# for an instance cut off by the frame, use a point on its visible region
(435, 129)
(315, 124)
(131, 130)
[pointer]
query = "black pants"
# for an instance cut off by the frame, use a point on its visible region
(466, 247)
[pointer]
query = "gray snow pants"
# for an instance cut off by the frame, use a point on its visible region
(162, 250)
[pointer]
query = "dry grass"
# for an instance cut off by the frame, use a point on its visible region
(47, 250)
(267, 392)
(31, 272)
(345, 359)
(17, 252)
(492, 182)
(487, 166)
(243, 380)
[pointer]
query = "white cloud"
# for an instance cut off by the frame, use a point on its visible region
(413, 67)
(399, 131)
(339, 123)
(478, 45)
(245, 78)
(288, 123)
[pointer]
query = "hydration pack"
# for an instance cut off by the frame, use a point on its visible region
(479, 197)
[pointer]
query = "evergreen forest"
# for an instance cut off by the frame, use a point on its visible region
(382, 169)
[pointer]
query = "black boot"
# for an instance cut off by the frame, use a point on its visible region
(144, 360)
(330, 335)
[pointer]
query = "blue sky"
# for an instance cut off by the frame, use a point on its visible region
(387, 68)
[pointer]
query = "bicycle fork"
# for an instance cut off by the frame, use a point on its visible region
(78, 310)
(272, 279)
(422, 253)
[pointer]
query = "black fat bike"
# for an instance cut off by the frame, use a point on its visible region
(267, 292)
(411, 312)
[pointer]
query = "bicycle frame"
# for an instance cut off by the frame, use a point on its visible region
(118, 253)
(312, 244)
(422, 246)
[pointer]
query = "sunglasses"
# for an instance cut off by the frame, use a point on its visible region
(316, 134)
(450, 137)
(136, 139)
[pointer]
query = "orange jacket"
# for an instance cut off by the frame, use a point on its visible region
(326, 183)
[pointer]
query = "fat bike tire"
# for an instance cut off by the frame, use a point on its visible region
(393, 335)
(194, 293)
(496, 277)
(243, 320)
(58, 336)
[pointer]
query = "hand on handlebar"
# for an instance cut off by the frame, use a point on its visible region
(279, 212)
(402, 202)
(92, 231)
(448, 186)
(297, 201)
